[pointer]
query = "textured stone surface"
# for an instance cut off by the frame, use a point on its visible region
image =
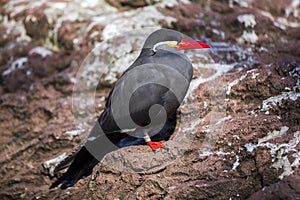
(288, 188)
(126, 4)
(238, 130)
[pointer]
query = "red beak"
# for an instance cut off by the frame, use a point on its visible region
(191, 44)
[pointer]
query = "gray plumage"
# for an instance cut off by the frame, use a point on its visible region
(153, 73)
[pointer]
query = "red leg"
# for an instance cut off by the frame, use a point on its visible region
(153, 145)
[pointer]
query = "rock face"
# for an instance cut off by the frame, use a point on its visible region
(288, 188)
(126, 4)
(238, 129)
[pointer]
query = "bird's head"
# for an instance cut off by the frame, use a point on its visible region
(173, 39)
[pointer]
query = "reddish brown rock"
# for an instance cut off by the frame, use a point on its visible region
(218, 21)
(94, 34)
(287, 189)
(252, 149)
(127, 4)
(276, 7)
(36, 23)
(7, 35)
(67, 32)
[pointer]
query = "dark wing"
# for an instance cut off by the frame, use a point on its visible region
(143, 96)
(162, 78)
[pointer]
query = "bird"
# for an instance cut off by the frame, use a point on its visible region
(141, 108)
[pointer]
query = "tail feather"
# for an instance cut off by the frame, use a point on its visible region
(81, 162)
(65, 163)
(81, 167)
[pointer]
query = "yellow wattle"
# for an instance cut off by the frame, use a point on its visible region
(172, 45)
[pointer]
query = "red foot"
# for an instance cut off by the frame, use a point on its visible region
(155, 145)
